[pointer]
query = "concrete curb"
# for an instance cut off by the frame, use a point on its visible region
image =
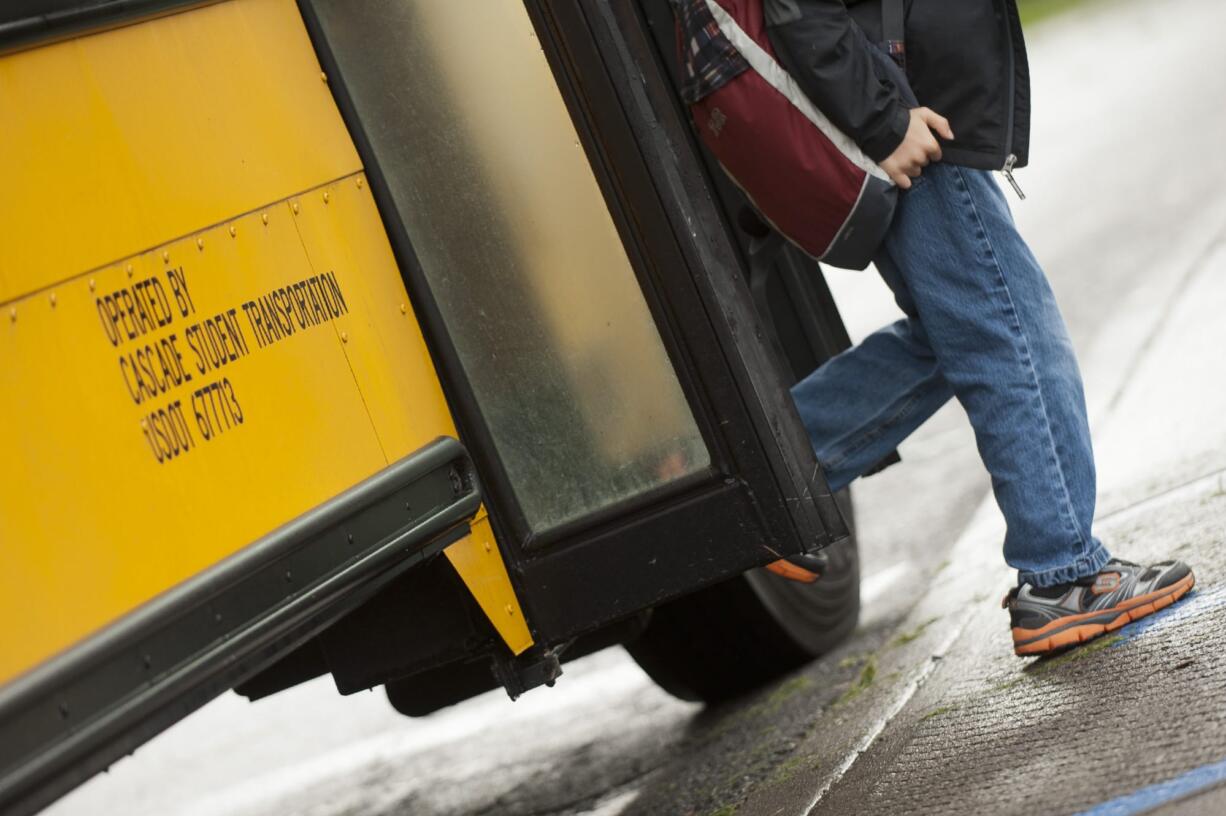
(971, 586)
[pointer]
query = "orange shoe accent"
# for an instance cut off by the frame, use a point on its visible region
(1131, 610)
(792, 572)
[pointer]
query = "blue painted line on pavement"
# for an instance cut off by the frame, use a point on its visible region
(1194, 603)
(1146, 799)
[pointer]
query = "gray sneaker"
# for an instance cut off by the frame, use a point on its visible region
(1048, 619)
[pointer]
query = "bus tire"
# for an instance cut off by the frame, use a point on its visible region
(728, 639)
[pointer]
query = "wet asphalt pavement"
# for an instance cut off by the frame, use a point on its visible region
(924, 709)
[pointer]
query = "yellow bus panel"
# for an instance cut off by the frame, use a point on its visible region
(119, 141)
(203, 330)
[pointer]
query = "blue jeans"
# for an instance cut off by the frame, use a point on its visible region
(981, 325)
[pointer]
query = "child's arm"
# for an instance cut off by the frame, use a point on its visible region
(829, 57)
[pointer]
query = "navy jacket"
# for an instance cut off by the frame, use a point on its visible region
(966, 59)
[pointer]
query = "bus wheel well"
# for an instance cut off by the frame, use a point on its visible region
(731, 638)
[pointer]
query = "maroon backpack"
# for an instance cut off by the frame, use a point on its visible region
(805, 177)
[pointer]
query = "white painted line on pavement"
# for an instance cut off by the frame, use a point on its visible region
(896, 705)
(971, 564)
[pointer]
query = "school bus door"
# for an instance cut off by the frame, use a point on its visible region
(633, 429)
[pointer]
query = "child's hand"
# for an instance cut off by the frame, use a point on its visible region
(918, 148)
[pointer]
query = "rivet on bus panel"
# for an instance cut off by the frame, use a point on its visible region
(489, 547)
(233, 231)
(200, 244)
(359, 182)
(404, 309)
(325, 196)
(52, 300)
(165, 256)
(323, 77)
(92, 285)
(294, 207)
(510, 609)
(129, 270)
(344, 337)
(264, 218)
(13, 314)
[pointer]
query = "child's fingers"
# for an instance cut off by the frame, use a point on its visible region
(937, 122)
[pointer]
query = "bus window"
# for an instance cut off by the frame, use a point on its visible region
(509, 226)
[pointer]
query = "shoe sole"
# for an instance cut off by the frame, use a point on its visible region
(790, 571)
(1028, 642)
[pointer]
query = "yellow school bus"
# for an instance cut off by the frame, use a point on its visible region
(411, 342)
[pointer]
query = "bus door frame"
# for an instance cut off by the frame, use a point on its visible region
(764, 496)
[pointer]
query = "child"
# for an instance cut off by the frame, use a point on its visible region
(981, 323)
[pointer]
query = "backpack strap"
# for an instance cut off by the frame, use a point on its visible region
(893, 28)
